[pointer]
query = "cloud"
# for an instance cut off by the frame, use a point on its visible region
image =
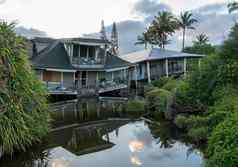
(213, 20)
(30, 33)
(149, 8)
(2, 1)
(217, 8)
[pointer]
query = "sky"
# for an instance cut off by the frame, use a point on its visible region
(69, 18)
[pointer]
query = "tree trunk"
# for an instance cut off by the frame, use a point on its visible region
(184, 31)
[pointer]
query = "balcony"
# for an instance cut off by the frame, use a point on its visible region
(87, 63)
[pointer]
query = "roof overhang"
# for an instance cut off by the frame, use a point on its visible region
(117, 69)
(59, 70)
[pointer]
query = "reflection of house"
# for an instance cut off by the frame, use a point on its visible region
(154, 63)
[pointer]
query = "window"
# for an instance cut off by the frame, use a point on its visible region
(51, 76)
(83, 51)
(75, 50)
(91, 53)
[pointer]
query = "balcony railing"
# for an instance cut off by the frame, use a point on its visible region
(61, 88)
(88, 63)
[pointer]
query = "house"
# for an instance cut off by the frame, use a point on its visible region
(90, 66)
(152, 64)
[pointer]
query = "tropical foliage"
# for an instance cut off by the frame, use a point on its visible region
(161, 28)
(205, 105)
(233, 6)
(200, 46)
(185, 22)
(23, 116)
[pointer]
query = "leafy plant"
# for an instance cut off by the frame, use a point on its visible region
(24, 119)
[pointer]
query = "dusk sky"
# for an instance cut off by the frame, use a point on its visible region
(63, 18)
(74, 18)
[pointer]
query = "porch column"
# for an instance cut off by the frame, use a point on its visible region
(79, 55)
(199, 64)
(185, 66)
(125, 74)
(96, 53)
(112, 76)
(148, 71)
(87, 52)
(167, 67)
(136, 78)
(61, 78)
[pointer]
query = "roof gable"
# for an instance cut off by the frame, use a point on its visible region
(54, 56)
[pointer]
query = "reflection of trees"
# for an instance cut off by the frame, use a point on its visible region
(163, 134)
(35, 157)
(167, 134)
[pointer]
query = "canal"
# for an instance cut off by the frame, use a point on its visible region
(99, 133)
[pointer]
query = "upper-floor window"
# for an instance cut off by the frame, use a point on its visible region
(75, 50)
(83, 51)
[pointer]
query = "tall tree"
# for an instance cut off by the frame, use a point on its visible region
(201, 39)
(233, 6)
(185, 22)
(143, 39)
(163, 26)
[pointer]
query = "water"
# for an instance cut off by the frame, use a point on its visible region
(107, 143)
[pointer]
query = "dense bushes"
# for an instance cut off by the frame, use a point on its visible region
(208, 100)
(223, 144)
(135, 107)
(23, 107)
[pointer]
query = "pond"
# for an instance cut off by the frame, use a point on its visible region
(97, 133)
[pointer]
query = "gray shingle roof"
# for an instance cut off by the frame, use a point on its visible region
(115, 62)
(155, 54)
(86, 40)
(54, 56)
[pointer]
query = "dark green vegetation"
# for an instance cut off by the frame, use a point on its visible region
(135, 107)
(23, 107)
(200, 46)
(205, 103)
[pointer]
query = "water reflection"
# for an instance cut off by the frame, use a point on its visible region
(136, 146)
(83, 136)
(59, 163)
(136, 161)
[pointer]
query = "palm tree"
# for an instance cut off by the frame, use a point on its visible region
(185, 22)
(164, 26)
(201, 39)
(233, 6)
(143, 39)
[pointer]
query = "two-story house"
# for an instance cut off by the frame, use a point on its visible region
(78, 64)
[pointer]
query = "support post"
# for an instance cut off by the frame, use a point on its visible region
(79, 55)
(61, 79)
(167, 67)
(185, 66)
(87, 53)
(148, 71)
(199, 64)
(112, 76)
(136, 78)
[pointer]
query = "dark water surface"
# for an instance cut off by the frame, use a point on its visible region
(95, 133)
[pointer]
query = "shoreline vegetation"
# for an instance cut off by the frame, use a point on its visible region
(23, 99)
(204, 104)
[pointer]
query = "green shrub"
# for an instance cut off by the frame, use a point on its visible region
(24, 118)
(159, 100)
(135, 107)
(161, 82)
(181, 121)
(198, 134)
(223, 144)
